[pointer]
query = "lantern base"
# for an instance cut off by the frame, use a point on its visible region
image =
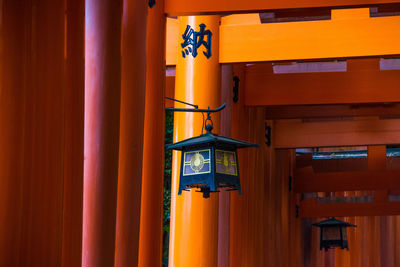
(209, 184)
(327, 244)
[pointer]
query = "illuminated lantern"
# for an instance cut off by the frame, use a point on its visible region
(209, 162)
(333, 233)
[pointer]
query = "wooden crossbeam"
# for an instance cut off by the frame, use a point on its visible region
(311, 209)
(171, 48)
(192, 7)
(363, 82)
(329, 111)
(348, 34)
(332, 165)
(377, 161)
(358, 132)
(305, 180)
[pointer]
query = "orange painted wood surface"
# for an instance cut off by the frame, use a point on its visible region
(151, 214)
(42, 141)
(377, 162)
(43, 130)
(169, 90)
(371, 242)
(180, 7)
(310, 209)
(345, 35)
(349, 33)
(133, 87)
(331, 165)
(194, 220)
(332, 111)
(224, 196)
(363, 82)
(102, 122)
(74, 132)
(263, 227)
(240, 19)
(172, 41)
(45, 136)
(368, 243)
(305, 180)
(15, 70)
(357, 132)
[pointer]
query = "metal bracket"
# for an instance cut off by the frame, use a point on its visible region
(152, 3)
(208, 110)
(268, 135)
(236, 89)
(195, 109)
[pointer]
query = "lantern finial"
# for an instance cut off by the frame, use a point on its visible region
(208, 126)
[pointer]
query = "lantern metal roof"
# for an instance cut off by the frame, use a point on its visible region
(210, 139)
(333, 222)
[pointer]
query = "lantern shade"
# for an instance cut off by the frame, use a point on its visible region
(333, 233)
(209, 162)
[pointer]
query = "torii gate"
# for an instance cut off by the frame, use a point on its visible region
(82, 90)
(349, 34)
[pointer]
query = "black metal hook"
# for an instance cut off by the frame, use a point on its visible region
(195, 109)
(236, 89)
(268, 135)
(186, 103)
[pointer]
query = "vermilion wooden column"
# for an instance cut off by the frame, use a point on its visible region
(102, 116)
(194, 220)
(32, 110)
(376, 161)
(151, 218)
(43, 177)
(224, 196)
(14, 45)
(388, 241)
(74, 130)
(131, 135)
(239, 213)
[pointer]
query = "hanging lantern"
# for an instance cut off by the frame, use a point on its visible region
(209, 162)
(333, 233)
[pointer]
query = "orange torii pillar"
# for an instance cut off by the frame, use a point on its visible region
(151, 214)
(101, 137)
(13, 83)
(194, 219)
(43, 144)
(131, 132)
(73, 132)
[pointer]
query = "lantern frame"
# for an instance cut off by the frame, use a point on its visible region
(334, 223)
(212, 180)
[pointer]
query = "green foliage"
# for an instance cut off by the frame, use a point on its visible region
(169, 130)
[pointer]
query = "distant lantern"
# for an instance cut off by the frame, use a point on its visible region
(209, 162)
(333, 233)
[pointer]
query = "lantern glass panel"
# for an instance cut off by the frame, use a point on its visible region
(344, 233)
(330, 233)
(225, 162)
(197, 162)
